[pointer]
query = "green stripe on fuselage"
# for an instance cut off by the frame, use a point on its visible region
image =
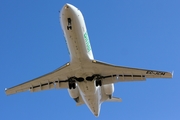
(88, 46)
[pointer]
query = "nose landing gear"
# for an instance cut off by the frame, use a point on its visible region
(69, 27)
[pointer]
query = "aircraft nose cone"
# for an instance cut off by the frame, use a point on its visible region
(67, 6)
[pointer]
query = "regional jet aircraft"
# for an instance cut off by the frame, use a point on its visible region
(88, 81)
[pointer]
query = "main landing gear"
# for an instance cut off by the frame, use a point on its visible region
(98, 79)
(69, 27)
(72, 83)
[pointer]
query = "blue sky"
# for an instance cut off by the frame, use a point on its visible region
(141, 33)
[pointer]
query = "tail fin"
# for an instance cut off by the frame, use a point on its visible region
(114, 99)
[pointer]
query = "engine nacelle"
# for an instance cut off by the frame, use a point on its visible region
(74, 93)
(109, 89)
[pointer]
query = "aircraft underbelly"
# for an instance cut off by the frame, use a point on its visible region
(75, 36)
(93, 103)
(87, 87)
(91, 96)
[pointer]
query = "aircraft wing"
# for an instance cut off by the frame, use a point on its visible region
(57, 78)
(111, 73)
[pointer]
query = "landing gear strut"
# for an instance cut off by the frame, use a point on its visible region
(98, 79)
(69, 24)
(72, 83)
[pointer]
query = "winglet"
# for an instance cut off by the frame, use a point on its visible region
(6, 91)
(172, 73)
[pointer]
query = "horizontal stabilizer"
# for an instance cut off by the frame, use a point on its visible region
(80, 103)
(114, 99)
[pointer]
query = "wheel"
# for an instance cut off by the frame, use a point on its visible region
(100, 83)
(69, 27)
(73, 85)
(70, 86)
(97, 83)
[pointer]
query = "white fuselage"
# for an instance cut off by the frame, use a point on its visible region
(81, 55)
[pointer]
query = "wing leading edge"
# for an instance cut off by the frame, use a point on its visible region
(57, 78)
(112, 73)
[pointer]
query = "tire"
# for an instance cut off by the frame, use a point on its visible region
(97, 83)
(100, 83)
(70, 86)
(73, 85)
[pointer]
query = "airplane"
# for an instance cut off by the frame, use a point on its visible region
(87, 80)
